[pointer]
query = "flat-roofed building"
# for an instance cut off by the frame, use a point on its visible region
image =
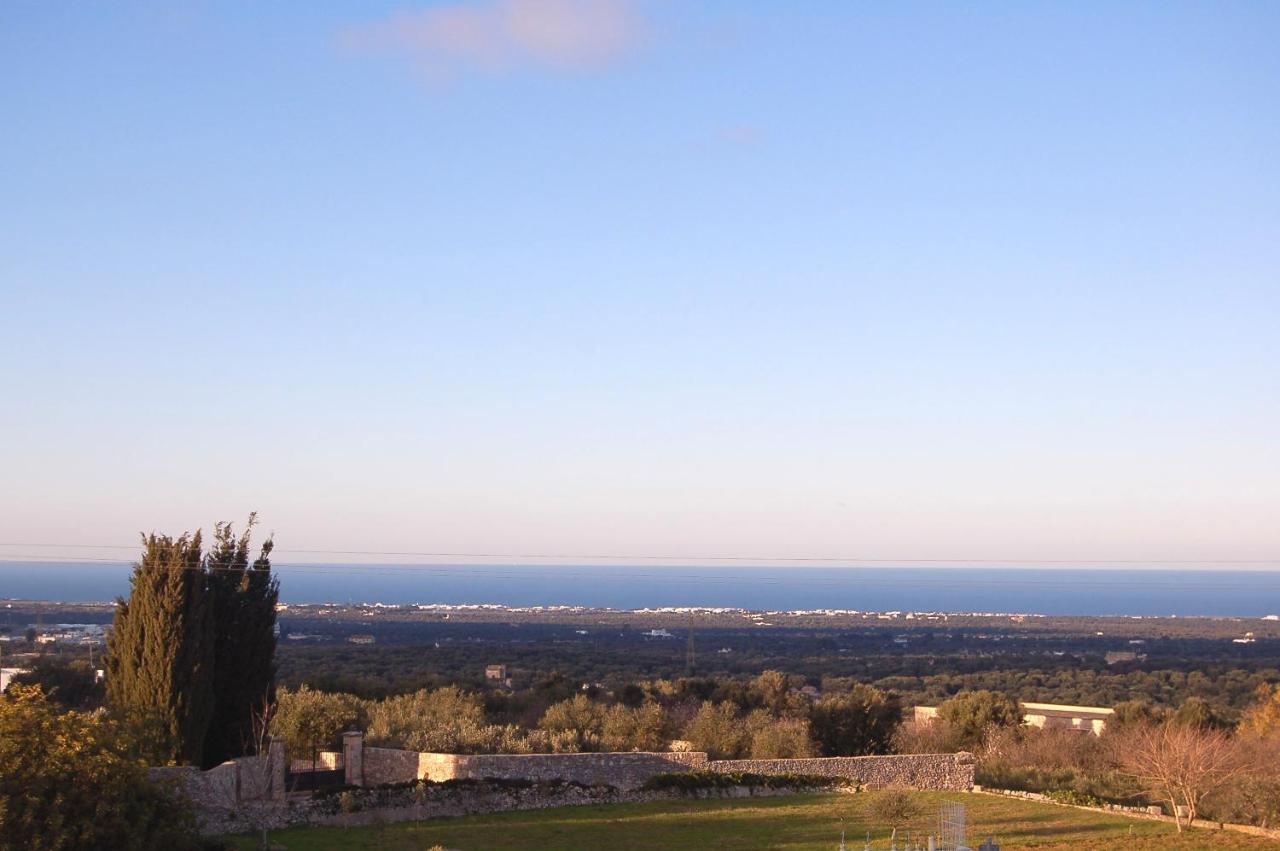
(924, 714)
(1086, 719)
(1115, 657)
(1089, 719)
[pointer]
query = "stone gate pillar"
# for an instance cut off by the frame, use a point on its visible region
(353, 758)
(275, 763)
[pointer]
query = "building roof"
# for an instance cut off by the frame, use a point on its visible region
(1066, 709)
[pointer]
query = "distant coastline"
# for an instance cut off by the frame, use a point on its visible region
(1046, 591)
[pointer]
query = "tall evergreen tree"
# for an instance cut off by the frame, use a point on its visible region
(160, 653)
(243, 598)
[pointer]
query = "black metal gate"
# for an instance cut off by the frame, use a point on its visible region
(310, 781)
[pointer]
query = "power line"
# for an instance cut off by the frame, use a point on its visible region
(570, 558)
(545, 572)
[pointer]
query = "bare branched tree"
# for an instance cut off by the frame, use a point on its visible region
(1179, 763)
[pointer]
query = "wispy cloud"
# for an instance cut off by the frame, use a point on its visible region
(741, 134)
(506, 35)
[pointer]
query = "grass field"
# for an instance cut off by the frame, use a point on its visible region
(802, 823)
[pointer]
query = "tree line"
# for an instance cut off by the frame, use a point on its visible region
(766, 718)
(1188, 758)
(404, 660)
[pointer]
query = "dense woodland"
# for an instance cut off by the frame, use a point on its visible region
(922, 665)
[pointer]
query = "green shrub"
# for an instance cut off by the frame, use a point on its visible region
(717, 730)
(1071, 796)
(894, 807)
(348, 802)
(446, 720)
(72, 780)
(972, 714)
(690, 781)
(778, 738)
(641, 728)
(858, 722)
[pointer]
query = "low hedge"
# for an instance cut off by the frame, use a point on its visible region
(690, 781)
(1071, 796)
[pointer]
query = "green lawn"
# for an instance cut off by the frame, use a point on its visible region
(802, 822)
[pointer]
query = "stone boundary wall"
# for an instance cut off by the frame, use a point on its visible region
(388, 765)
(249, 793)
(383, 806)
(622, 770)
(381, 766)
(260, 778)
(231, 784)
(217, 787)
(938, 772)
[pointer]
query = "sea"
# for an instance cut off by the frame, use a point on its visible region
(1009, 589)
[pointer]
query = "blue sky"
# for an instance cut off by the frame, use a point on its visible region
(905, 280)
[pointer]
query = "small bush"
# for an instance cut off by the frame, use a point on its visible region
(894, 807)
(348, 802)
(1071, 796)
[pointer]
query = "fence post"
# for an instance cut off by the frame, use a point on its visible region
(353, 758)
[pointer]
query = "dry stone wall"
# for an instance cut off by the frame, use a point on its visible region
(947, 772)
(231, 785)
(258, 778)
(630, 770)
(248, 794)
(429, 800)
(386, 765)
(622, 770)
(217, 787)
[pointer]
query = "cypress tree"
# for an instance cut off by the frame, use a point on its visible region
(243, 598)
(160, 652)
